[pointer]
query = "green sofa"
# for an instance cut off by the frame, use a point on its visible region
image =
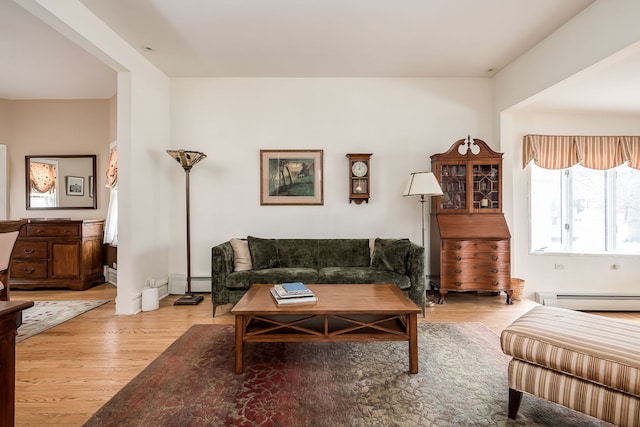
(239, 263)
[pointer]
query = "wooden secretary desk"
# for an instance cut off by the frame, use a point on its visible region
(467, 223)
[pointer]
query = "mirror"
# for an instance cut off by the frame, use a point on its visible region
(61, 182)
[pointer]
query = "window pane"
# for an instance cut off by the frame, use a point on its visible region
(588, 221)
(546, 210)
(627, 214)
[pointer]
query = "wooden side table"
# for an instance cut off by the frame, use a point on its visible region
(10, 320)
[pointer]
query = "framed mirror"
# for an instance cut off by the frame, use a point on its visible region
(61, 182)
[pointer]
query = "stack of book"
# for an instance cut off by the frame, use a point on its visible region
(292, 293)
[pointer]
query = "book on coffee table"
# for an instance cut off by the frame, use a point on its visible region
(298, 299)
(283, 293)
(296, 288)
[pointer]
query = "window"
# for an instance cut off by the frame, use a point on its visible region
(585, 211)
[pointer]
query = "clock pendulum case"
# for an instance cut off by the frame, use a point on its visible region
(359, 177)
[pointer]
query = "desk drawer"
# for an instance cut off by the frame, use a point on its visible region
(30, 250)
(53, 230)
(29, 269)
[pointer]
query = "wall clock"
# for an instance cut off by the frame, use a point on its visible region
(359, 177)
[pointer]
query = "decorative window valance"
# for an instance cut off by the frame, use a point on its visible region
(42, 177)
(594, 152)
(112, 169)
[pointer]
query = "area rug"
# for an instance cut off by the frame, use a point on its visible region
(462, 382)
(47, 314)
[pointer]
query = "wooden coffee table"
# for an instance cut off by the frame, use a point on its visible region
(342, 313)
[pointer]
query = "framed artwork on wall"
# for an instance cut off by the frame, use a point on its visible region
(75, 186)
(291, 177)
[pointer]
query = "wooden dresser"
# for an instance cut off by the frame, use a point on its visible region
(58, 254)
(468, 225)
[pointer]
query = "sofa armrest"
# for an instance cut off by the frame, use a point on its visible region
(221, 267)
(415, 272)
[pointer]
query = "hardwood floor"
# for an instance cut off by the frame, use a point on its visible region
(67, 373)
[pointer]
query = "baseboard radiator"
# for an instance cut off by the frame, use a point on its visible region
(178, 284)
(590, 302)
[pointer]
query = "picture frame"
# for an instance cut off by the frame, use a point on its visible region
(291, 177)
(75, 185)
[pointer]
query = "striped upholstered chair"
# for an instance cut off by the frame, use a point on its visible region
(9, 231)
(583, 361)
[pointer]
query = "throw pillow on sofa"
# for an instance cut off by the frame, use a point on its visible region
(264, 253)
(241, 255)
(391, 255)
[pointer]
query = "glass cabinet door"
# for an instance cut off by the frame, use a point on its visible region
(454, 186)
(486, 186)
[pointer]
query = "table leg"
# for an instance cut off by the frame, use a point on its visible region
(240, 324)
(413, 343)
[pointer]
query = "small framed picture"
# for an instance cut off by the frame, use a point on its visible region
(75, 186)
(291, 177)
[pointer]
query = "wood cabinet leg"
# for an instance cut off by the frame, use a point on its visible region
(441, 299)
(509, 296)
(413, 343)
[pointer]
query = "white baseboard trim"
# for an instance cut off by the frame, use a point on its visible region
(590, 302)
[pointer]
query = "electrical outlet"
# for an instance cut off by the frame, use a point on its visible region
(616, 266)
(559, 266)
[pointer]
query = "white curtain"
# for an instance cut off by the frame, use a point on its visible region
(111, 223)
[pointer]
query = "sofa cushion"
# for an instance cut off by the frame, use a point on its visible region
(297, 252)
(264, 253)
(335, 275)
(343, 253)
(241, 255)
(391, 255)
(595, 348)
(244, 279)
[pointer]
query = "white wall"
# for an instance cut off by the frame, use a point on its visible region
(401, 121)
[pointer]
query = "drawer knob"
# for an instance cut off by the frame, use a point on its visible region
(28, 270)
(494, 247)
(494, 270)
(67, 231)
(458, 271)
(495, 283)
(458, 283)
(458, 258)
(29, 251)
(39, 230)
(458, 246)
(495, 257)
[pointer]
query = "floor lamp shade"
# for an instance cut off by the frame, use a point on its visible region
(187, 160)
(422, 184)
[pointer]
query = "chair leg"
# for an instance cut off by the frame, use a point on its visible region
(515, 396)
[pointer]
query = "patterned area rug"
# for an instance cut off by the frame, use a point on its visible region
(462, 382)
(47, 314)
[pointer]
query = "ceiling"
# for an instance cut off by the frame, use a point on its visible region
(297, 38)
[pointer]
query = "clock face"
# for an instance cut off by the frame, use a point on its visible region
(359, 168)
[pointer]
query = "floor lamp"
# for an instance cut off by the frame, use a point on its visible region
(187, 159)
(423, 184)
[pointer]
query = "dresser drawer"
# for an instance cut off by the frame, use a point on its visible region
(29, 269)
(476, 245)
(487, 258)
(30, 250)
(53, 230)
